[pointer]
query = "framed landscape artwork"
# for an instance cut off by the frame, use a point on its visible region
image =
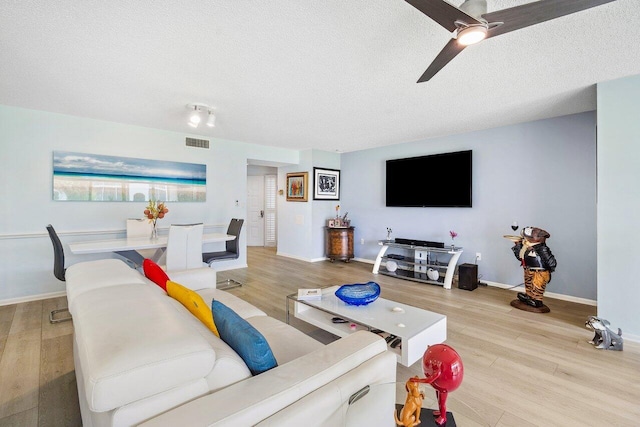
(297, 186)
(326, 184)
(100, 178)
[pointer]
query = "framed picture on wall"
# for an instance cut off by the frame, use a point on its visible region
(326, 184)
(100, 178)
(297, 186)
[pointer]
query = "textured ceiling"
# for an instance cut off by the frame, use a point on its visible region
(330, 74)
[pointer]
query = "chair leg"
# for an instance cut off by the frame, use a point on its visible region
(228, 284)
(52, 318)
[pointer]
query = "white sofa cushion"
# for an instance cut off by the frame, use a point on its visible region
(250, 401)
(229, 367)
(88, 276)
(241, 307)
(194, 278)
(133, 344)
(280, 337)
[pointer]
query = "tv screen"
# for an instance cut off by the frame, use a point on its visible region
(439, 180)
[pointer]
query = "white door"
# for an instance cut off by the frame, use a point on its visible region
(255, 211)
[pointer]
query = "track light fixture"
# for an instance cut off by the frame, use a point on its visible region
(196, 111)
(211, 121)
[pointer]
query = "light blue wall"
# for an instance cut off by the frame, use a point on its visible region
(27, 140)
(540, 173)
(619, 203)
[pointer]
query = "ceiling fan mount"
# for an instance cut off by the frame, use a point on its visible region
(475, 8)
(470, 23)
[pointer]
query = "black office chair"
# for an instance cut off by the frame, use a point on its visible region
(232, 252)
(58, 271)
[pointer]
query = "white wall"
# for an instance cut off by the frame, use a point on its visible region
(301, 224)
(27, 141)
(540, 173)
(261, 170)
(619, 203)
(322, 209)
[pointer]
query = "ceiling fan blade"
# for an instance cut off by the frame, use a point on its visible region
(442, 12)
(529, 14)
(449, 52)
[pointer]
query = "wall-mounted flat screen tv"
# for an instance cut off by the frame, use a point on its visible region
(438, 180)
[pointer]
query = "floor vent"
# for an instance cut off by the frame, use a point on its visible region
(198, 143)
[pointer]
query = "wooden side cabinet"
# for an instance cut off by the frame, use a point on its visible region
(339, 243)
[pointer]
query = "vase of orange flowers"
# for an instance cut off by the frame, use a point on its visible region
(154, 211)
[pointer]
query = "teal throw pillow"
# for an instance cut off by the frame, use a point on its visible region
(243, 338)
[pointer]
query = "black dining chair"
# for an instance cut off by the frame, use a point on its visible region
(58, 270)
(232, 251)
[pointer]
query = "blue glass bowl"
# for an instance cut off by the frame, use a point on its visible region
(359, 293)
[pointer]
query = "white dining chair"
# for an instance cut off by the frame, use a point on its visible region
(139, 227)
(184, 247)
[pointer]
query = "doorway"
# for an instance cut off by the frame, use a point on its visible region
(261, 206)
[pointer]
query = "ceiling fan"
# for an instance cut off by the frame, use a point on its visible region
(470, 23)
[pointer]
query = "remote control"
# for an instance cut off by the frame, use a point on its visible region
(338, 320)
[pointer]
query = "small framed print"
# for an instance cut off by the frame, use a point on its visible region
(297, 186)
(331, 223)
(326, 184)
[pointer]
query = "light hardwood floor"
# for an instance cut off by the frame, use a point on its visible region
(521, 369)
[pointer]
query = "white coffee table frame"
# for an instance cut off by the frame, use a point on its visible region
(417, 328)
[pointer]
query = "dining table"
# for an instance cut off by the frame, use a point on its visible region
(127, 247)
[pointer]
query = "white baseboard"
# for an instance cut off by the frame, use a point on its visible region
(30, 298)
(293, 257)
(630, 337)
(302, 258)
(547, 294)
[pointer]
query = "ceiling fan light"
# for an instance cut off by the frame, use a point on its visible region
(471, 35)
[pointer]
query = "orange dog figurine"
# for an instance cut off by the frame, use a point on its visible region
(410, 412)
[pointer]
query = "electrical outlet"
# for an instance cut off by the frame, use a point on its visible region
(362, 241)
(478, 256)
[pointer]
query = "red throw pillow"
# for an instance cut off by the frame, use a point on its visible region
(155, 273)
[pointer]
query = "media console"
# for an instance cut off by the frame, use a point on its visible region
(415, 261)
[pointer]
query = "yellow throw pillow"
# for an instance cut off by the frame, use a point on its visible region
(194, 303)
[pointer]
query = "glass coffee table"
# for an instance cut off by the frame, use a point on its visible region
(413, 329)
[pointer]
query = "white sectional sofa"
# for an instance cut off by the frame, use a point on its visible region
(141, 357)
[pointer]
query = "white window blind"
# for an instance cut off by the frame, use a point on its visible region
(270, 189)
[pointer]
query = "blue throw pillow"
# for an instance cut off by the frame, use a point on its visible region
(243, 338)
